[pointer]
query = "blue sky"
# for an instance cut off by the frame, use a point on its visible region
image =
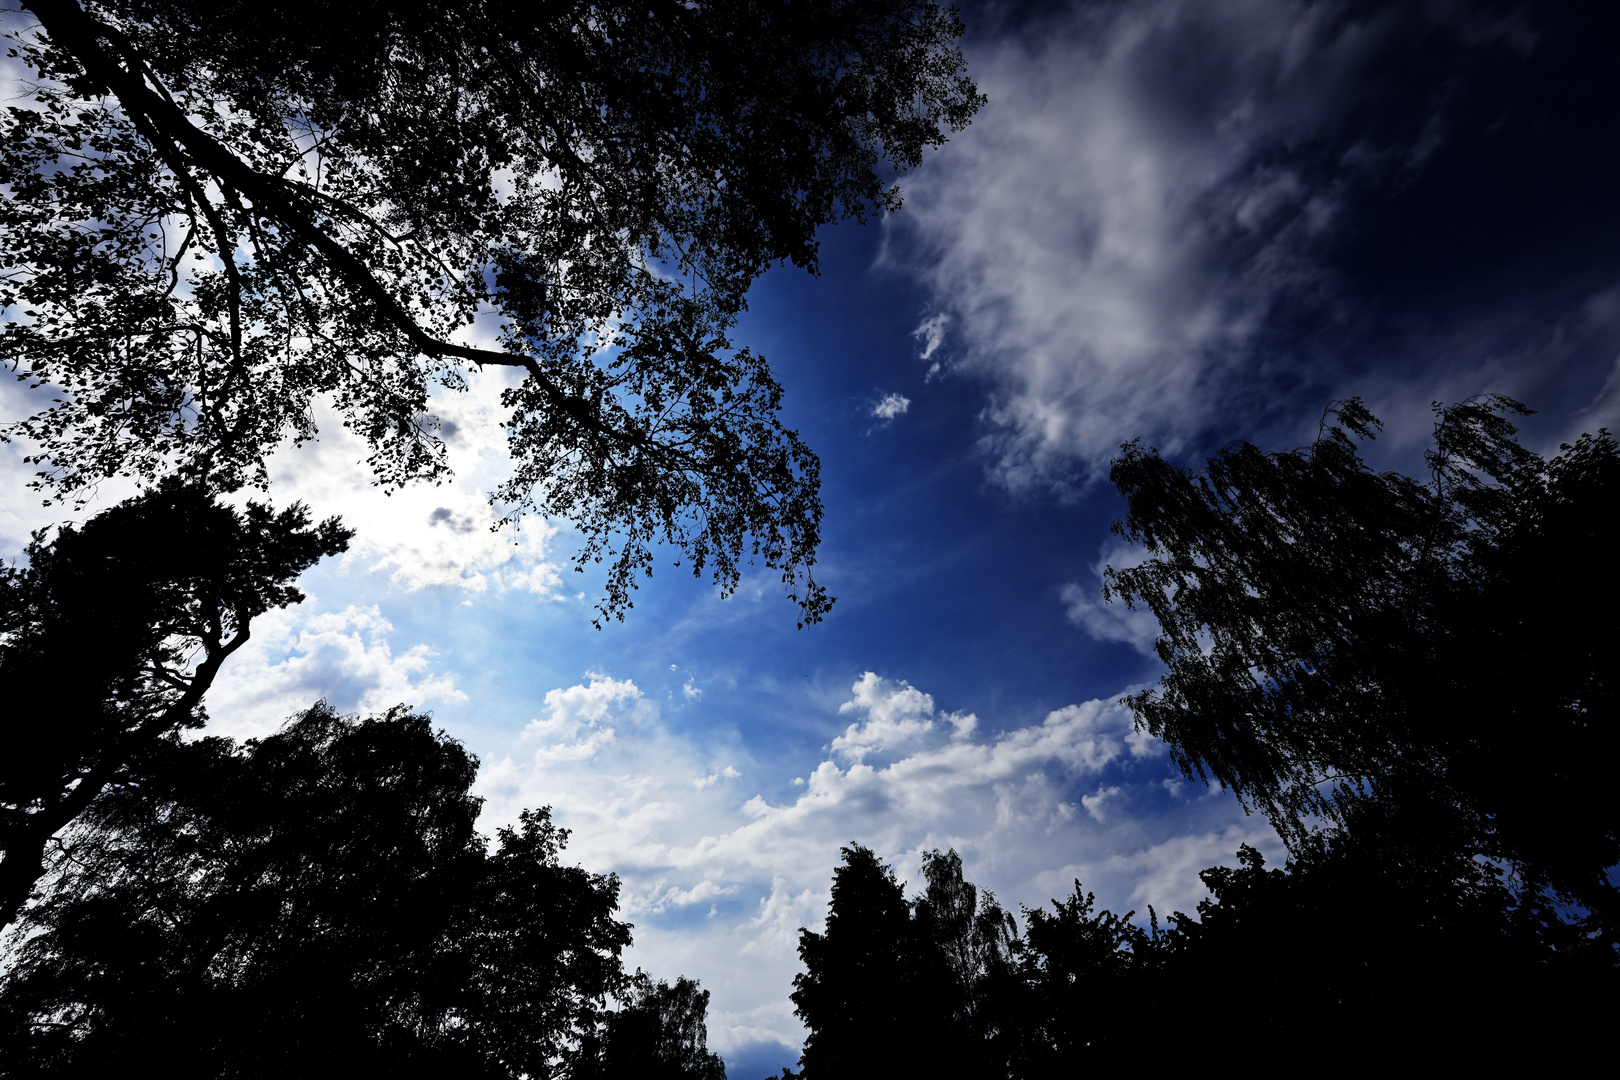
(1179, 221)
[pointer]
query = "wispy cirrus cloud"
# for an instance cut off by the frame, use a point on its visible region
(1150, 184)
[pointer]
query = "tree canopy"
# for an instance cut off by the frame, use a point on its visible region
(1408, 678)
(216, 214)
(110, 636)
(319, 903)
(1362, 946)
(899, 987)
(1335, 637)
(659, 1033)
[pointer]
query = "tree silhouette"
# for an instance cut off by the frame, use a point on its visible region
(319, 903)
(109, 638)
(1086, 974)
(856, 994)
(1336, 638)
(1368, 947)
(901, 988)
(1370, 934)
(658, 1034)
(967, 970)
(216, 213)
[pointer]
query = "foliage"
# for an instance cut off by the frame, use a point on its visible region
(1083, 975)
(216, 214)
(1336, 638)
(110, 636)
(1362, 943)
(856, 993)
(1414, 953)
(319, 903)
(1531, 667)
(1366, 945)
(900, 988)
(658, 1034)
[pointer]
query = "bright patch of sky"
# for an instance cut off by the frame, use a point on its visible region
(1181, 221)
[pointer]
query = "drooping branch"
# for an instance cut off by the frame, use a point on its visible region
(165, 125)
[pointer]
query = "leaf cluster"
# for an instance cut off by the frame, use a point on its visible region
(216, 216)
(1335, 637)
(314, 903)
(110, 634)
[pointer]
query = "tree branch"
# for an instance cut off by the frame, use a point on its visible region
(162, 121)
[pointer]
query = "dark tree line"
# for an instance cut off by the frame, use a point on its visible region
(1415, 682)
(318, 903)
(1352, 955)
(315, 903)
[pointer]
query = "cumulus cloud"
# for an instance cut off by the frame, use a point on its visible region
(898, 717)
(727, 773)
(299, 655)
(714, 869)
(1096, 804)
(1111, 235)
(890, 406)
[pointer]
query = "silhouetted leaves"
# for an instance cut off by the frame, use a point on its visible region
(112, 633)
(318, 903)
(215, 214)
(1365, 949)
(1334, 637)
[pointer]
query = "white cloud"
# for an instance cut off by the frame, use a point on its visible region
(898, 716)
(1114, 229)
(428, 536)
(1111, 621)
(891, 406)
(727, 773)
(1097, 804)
(685, 830)
(931, 332)
(298, 656)
(422, 536)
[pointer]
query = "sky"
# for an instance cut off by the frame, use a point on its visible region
(1176, 221)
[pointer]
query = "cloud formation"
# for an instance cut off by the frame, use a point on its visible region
(890, 406)
(428, 536)
(299, 655)
(1111, 621)
(1149, 184)
(719, 877)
